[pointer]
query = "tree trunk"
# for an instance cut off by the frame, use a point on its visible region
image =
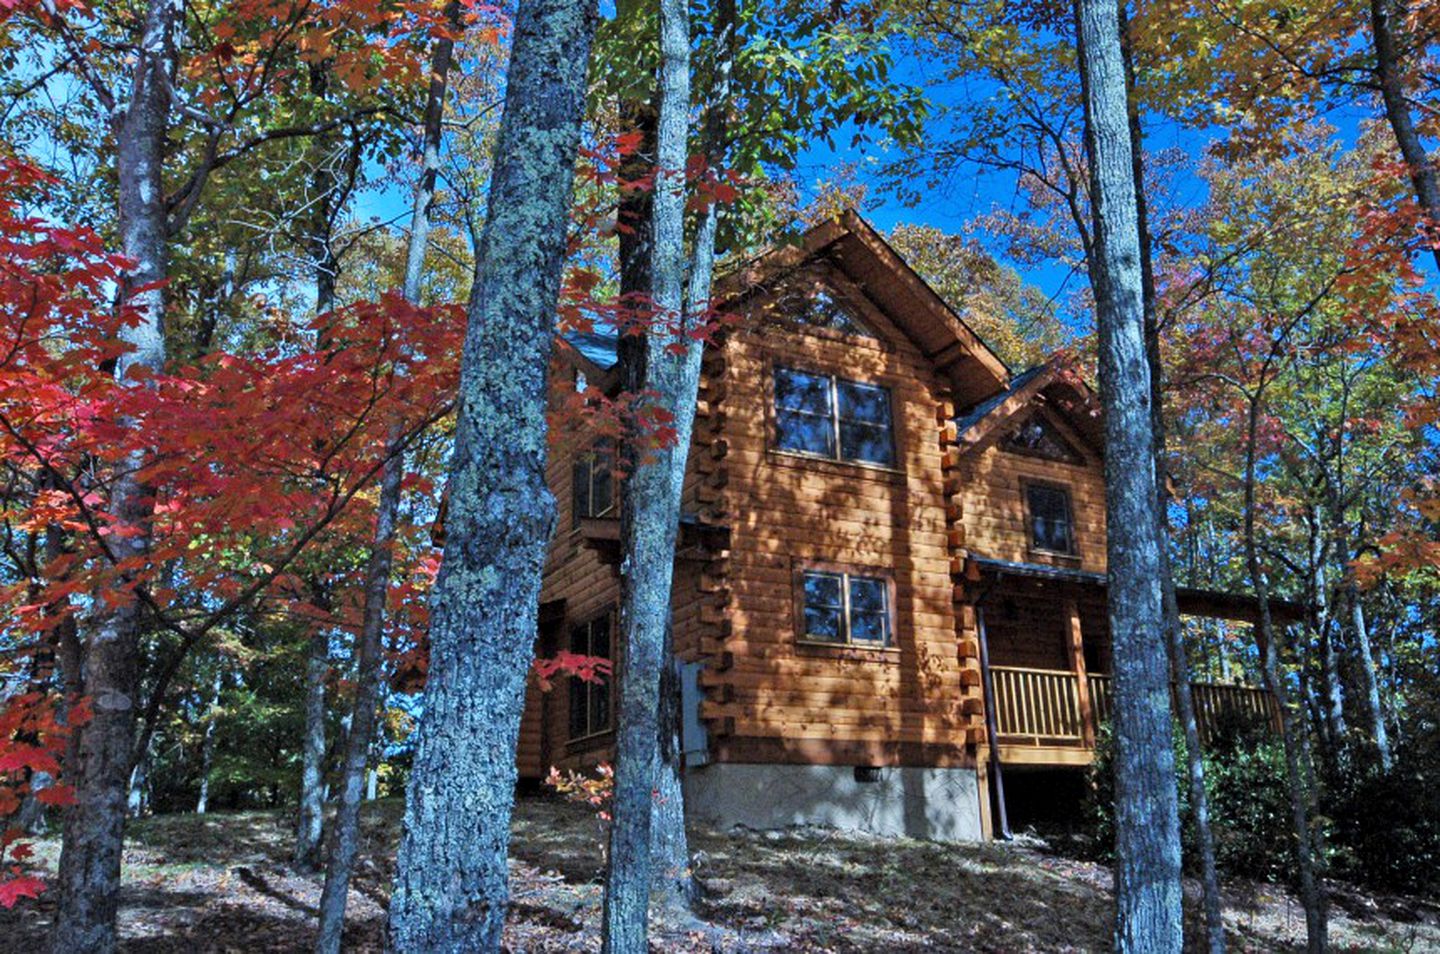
(207, 743)
(369, 651)
(650, 509)
(451, 889)
(1334, 701)
(1366, 655)
(1147, 865)
(138, 799)
(1174, 631)
(88, 882)
(430, 140)
(309, 828)
(1388, 70)
(1311, 895)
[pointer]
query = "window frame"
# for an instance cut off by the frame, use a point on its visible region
(587, 688)
(846, 571)
(1026, 485)
(833, 382)
(587, 458)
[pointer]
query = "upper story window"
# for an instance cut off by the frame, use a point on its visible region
(594, 483)
(845, 608)
(819, 309)
(590, 701)
(827, 416)
(1051, 524)
(1039, 438)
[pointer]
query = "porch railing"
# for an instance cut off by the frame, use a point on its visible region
(1042, 706)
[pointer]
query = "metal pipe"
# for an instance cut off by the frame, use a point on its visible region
(991, 723)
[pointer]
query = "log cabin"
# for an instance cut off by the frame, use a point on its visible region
(890, 577)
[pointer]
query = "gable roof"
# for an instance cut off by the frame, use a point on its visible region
(882, 275)
(1045, 383)
(977, 413)
(600, 349)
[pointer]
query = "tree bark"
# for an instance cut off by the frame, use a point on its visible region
(88, 882)
(1383, 17)
(430, 140)
(207, 743)
(650, 509)
(1147, 866)
(369, 650)
(1365, 652)
(310, 824)
(369, 653)
(1311, 895)
(1174, 631)
(451, 888)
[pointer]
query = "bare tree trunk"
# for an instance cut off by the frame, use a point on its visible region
(1334, 700)
(1147, 866)
(138, 798)
(451, 885)
(650, 510)
(207, 742)
(1174, 631)
(345, 832)
(1388, 70)
(309, 828)
(88, 882)
(369, 650)
(430, 140)
(1311, 892)
(1366, 655)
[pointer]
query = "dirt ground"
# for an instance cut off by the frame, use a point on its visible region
(221, 883)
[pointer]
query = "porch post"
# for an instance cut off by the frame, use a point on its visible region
(1076, 647)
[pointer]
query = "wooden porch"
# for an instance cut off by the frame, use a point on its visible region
(1050, 716)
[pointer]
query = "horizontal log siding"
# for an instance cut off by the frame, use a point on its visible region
(769, 698)
(576, 574)
(996, 522)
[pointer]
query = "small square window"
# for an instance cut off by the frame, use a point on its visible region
(1051, 526)
(845, 608)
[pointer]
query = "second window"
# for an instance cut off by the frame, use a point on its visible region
(845, 608)
(826, 416)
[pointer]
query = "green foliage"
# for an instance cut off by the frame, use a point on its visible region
(1387, 824)
(1249, 807)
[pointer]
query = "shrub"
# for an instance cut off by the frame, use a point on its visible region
(1249, 805)
(1387, 824)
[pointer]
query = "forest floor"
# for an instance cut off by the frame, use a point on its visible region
(222, 883)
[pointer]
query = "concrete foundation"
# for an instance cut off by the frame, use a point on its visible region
(938, 804)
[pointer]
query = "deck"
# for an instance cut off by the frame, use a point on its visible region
(1050, 716)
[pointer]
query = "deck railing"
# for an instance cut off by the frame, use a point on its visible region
(1038, 705)
(1043, 707)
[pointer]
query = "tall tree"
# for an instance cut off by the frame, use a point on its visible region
(1147, 849)
(89, 875)
(369, 648)
(667, 369)
(451, 885)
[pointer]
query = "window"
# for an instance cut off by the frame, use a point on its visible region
(594, 483)
(825, 416)
(819, 309)
(1039, 438)
(1051, 528)
(590, 701)
(844, 608)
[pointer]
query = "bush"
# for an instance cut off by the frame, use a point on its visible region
(1249, 804)
(1387, 824)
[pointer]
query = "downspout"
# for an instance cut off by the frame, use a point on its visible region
(991, 723)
